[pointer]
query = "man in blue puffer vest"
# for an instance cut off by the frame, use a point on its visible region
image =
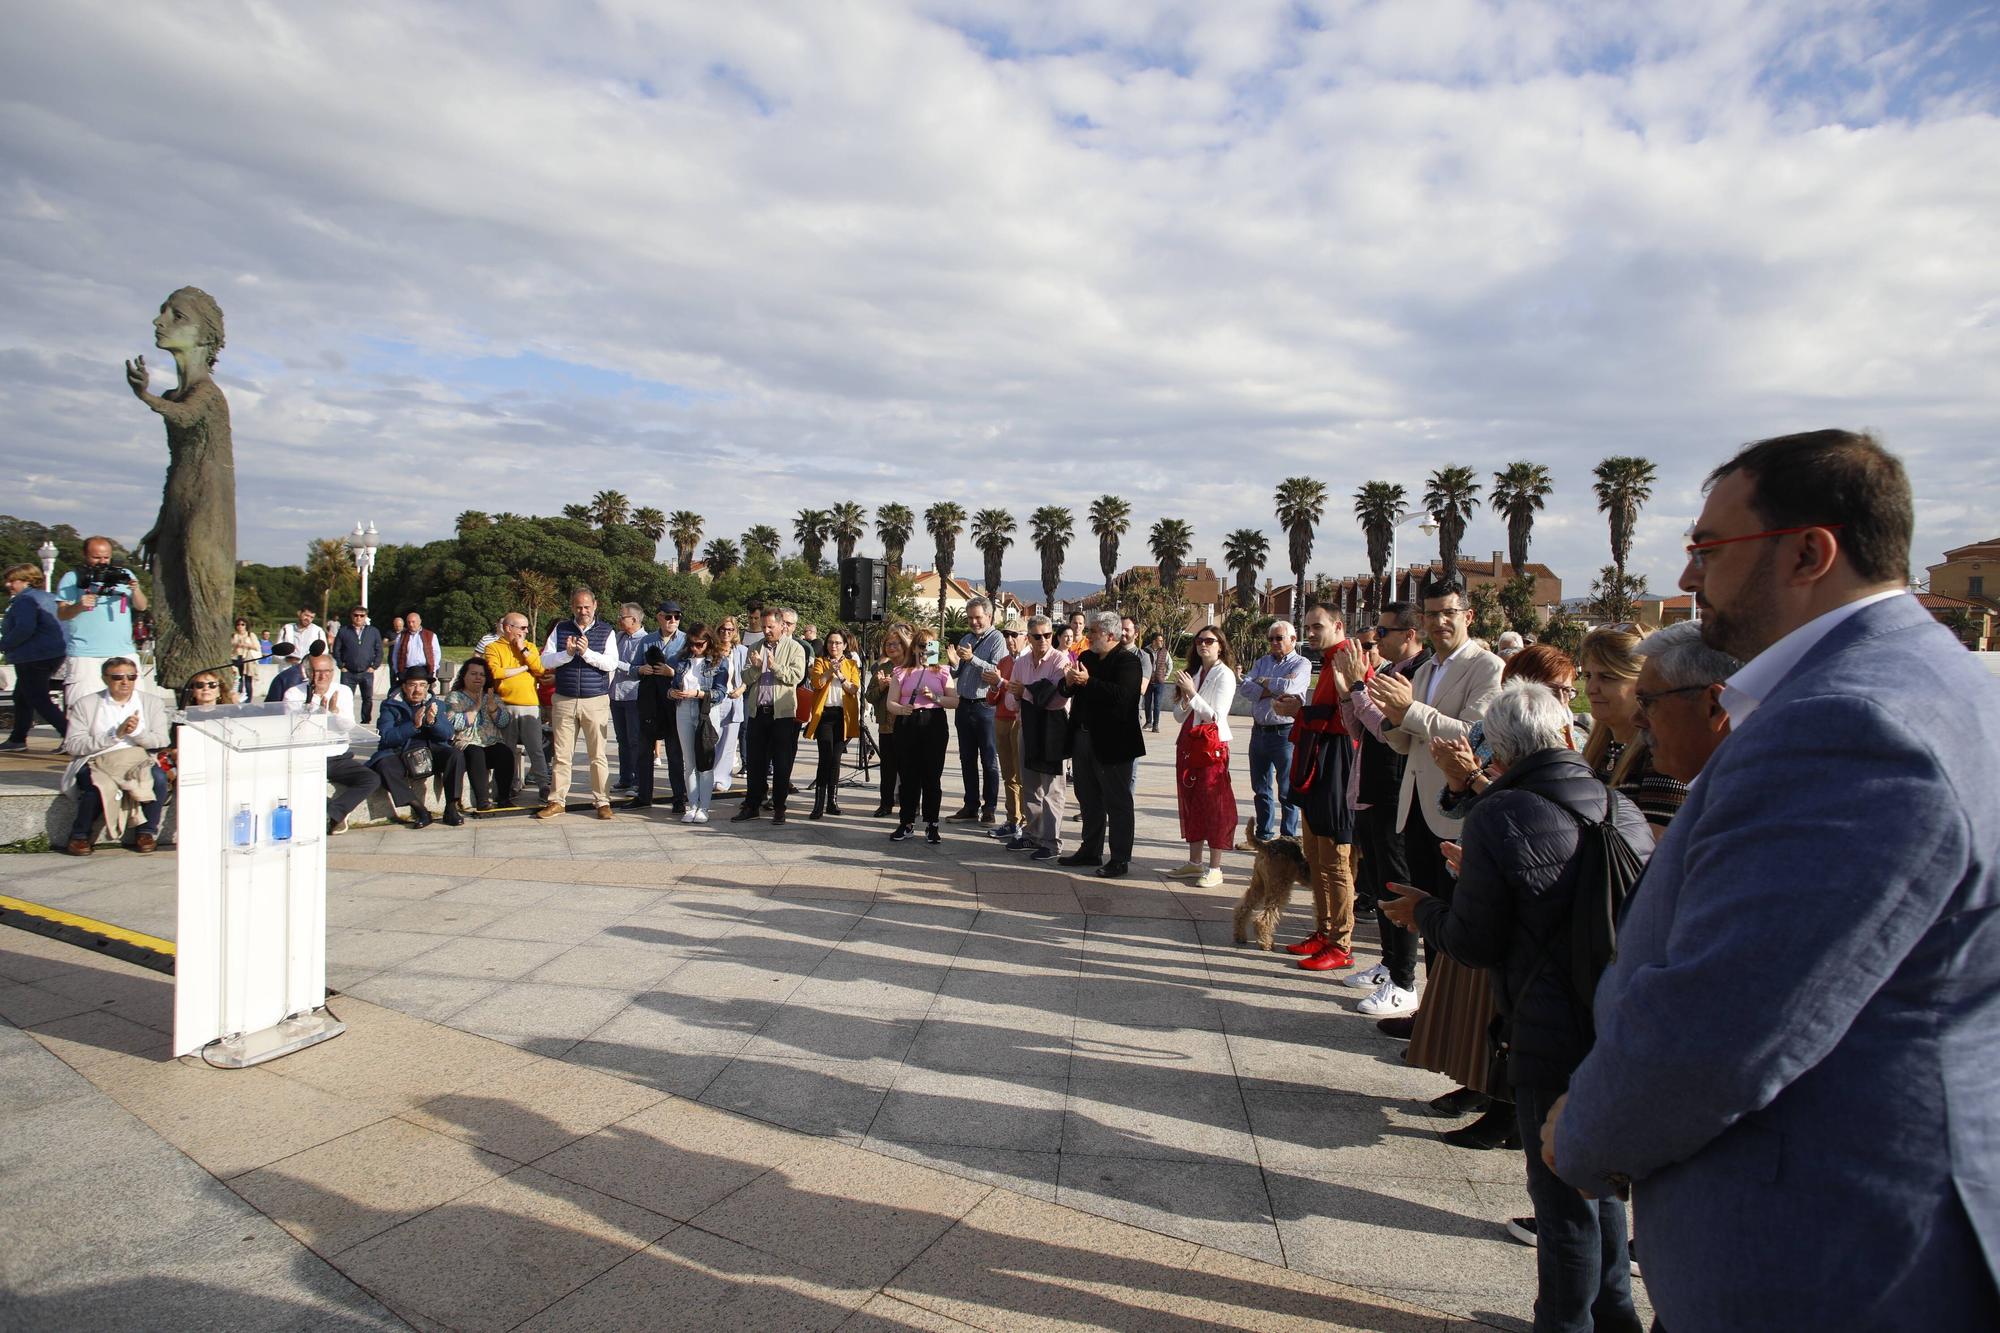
(581, 654)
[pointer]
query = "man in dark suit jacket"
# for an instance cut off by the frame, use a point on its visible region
(1104, 689)
(1795, 1063)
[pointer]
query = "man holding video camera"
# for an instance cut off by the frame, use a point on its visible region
(96, 606)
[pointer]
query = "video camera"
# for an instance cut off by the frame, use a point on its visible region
(103, 580)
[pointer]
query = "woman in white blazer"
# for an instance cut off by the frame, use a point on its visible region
(1202, 695)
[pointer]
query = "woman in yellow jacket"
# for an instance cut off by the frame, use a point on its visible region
(835, 679)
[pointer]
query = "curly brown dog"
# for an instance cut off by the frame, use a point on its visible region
(1281, 863)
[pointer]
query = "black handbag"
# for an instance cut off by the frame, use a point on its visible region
(416, 762)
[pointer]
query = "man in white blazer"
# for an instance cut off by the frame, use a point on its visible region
(1441, 702)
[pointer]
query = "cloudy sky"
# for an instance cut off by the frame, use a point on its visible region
(745, 258)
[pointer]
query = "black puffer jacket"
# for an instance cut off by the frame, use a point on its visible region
(1511, 909)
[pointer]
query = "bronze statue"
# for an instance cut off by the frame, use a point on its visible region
(192, 547)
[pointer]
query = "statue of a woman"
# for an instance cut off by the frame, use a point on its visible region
(192, 547)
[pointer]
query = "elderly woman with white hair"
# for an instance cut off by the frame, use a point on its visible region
(1518, 873)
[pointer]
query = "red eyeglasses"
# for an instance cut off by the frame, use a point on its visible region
(1698, 551)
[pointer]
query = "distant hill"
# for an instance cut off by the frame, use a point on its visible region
(1030, 590)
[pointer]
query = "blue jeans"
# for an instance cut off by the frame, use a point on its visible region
(1271, 781)
(1584, 1275)
(625, 726)
(978, 756)
(1155, 691)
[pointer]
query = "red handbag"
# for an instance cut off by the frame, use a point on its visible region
(1199, 749)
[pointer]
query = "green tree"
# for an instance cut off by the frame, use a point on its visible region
(609, 509)
(809, 529)
(579, 513)
(1378, 507)
(330, 574)
(761, 539)
(944, 521)
(1050, 526)
(1517, 605)
(1624, 484)
(894, 526)
(1245, 551)
(993, 533)
(1170, 540)
(1110, 519)
(1565, 631)
(1449, 497)
(1487, 617)
(1519, 491)
(1615, 596)
(650, 521)
(1300, 503)
(684, 526)
(721, 556)
(470, 520)
(536, 593)
(848, 524)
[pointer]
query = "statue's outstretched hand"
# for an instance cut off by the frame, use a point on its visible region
(136, 376)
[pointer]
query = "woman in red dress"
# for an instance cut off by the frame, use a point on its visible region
(1202, 695)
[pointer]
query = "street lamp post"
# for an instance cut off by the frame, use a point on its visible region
(1428, 527)
(47, 552)
(363, 543)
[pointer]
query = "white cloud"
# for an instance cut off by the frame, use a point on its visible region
(888, 252)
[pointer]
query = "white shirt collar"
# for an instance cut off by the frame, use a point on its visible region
(1765, 672)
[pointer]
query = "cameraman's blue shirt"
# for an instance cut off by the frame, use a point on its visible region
(103, 631)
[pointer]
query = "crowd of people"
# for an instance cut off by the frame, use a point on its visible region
(1680, 947)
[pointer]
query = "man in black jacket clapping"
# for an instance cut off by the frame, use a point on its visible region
(1104, 690)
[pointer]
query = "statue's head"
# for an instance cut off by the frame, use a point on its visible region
(190, 320)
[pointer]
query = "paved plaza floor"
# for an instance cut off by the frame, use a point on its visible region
(886, 1082)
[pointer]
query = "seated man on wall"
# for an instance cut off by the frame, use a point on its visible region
(355, 781)
(412, 724)
(113, 736)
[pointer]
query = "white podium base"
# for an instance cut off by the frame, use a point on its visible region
(281, 1038)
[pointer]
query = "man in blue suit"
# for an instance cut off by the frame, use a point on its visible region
(1798, 1048)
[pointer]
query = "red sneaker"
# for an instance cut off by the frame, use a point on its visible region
(1330, 959)
(1308, 946)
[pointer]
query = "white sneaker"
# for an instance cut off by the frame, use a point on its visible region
(691, 817)
(701, 816)
(1388, 1000)
(1192, 870)
(1210, 878)
(1372, 979)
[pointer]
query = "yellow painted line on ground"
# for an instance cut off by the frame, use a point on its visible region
(88, 925)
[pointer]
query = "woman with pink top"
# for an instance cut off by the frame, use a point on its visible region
(918, 697)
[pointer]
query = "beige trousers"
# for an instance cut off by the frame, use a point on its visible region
(592, 717)
(1007, 740)
(1332, 887)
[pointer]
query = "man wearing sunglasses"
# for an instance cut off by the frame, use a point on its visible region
(1279, 674)
(112, 736)
(1795, 1043)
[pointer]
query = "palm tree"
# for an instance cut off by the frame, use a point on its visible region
(581, 513)
(1450, 496)
(1170, 540)
(809, 529)
(762, 538)
(993, 533)
(1110, 518)
(651, 522)
(721, 556)
(471, 521)
(1050, 526)
(894, 526)
(849, 525)
(1378, 508)
(608, 509)
(944, 521)
(537, 594)
(1245, 551)
(1623, 484)
(506, 516)
(685, 525)
(1518, 493)
(1300, 501)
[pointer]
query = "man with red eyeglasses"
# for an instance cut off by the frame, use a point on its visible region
(1795, 1043)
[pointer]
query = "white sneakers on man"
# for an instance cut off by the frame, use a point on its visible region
(1192, 870)
(1369, 980)
(1211, 878)
(1389, 1001)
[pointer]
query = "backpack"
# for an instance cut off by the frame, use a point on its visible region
(1607, 871)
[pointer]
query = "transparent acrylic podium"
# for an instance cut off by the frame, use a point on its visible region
(250, 956)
